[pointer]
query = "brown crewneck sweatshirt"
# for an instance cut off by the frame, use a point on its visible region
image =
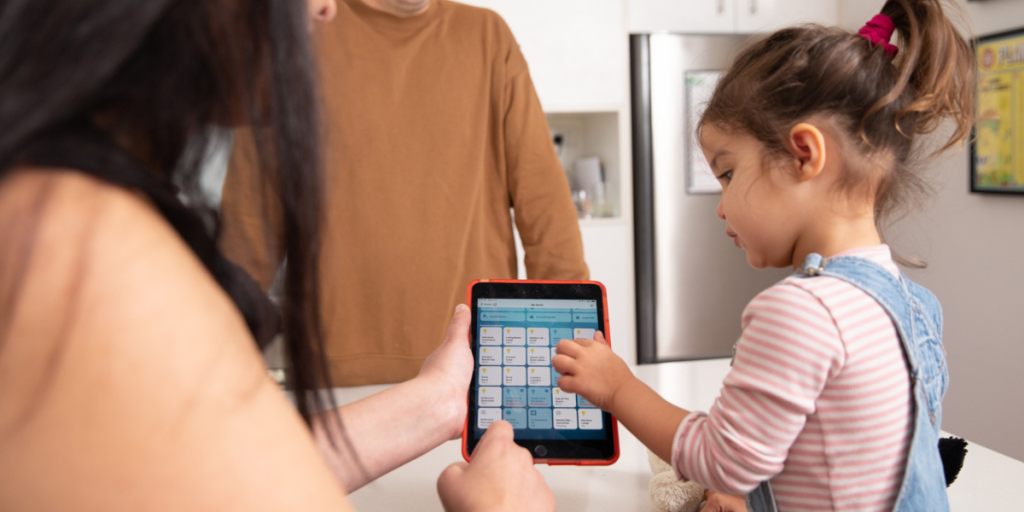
(434, 131)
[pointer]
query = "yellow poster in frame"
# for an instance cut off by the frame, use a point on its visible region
(997, 153)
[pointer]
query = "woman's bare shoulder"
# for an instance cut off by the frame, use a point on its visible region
(60, 215)
(97, 256)
(127, 378)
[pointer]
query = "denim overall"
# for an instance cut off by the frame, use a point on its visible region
(918, 319)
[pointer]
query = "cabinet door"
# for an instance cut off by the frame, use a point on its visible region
(689, 16)
(770, 15)
(577, 50)
(608, 249)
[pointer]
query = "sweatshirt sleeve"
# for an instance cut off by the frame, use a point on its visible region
(251, 231)
(787, 351)
(544, 213)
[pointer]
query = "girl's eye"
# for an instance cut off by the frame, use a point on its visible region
(725, 176)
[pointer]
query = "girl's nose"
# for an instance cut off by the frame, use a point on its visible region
(720, 211)
(322, 11)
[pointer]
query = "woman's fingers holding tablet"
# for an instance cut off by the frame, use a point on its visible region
(501, 476)
(498, 444)
(449, 369)
(498, 438)
(450, 474)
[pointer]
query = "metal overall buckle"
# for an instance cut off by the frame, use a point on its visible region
(812, 272)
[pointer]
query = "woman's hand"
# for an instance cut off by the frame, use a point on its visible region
(449, 370)
(590, 368)
(397, 425)
(500, 477)
(718, 502)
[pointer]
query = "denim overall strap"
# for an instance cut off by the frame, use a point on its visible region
(917, 316)
(761, 499)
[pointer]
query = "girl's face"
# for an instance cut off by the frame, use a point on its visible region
(763, 209)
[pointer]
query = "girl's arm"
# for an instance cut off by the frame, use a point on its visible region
(746, 436)
(591, 369)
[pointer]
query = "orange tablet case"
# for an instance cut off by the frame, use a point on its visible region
(608, 339)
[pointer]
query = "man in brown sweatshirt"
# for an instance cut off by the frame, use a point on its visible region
(434, 131)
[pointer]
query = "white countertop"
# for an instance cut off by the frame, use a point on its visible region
(988, 481)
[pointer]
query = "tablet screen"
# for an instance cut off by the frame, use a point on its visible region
(516, 330)
(516, 382)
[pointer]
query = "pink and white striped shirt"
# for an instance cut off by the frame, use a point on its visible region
(818, 401)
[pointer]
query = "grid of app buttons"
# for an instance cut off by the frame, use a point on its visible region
(515, 379)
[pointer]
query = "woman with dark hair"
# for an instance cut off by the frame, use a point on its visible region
(129, 376)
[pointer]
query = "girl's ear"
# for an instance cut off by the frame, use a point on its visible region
(807, 144)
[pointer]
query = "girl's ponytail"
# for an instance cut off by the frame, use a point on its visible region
(936, 70)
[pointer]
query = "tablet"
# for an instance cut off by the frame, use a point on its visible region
(515, 328)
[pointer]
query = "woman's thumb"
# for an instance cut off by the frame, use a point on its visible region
(458, 328)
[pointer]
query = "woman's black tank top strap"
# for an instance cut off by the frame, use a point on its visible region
(89, 150)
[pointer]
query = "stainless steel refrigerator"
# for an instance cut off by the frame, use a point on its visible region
(692, 283)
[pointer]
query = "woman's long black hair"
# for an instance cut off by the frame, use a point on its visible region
(78, 76)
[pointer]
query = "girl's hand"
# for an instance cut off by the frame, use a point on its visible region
(718, 502)
(590, 368)
(500, 477)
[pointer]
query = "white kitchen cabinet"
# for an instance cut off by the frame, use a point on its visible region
(608, 250)
(689, 16)
(726, 16)
(770, 15)
(577, 50)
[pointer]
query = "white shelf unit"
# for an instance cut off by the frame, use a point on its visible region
(592, 134)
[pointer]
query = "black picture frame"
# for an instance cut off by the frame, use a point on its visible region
(979, 46)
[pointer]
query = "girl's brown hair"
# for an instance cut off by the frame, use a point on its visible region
(880, 105)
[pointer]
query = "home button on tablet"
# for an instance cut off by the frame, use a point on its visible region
(540, 450)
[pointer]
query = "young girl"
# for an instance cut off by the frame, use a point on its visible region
(836, 386)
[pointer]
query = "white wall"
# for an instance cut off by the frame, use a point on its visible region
(974, 247)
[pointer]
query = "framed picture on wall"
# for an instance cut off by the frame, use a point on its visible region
(700, 86)
(997, 148)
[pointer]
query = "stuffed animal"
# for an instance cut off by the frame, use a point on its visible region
(668, 493)
(952, 451)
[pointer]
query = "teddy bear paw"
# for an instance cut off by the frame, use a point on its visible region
(670, 494)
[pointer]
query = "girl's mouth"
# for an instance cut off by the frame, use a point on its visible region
(734, 236)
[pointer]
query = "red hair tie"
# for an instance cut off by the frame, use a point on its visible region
(879, 30)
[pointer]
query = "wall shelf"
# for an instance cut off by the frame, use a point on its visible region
(592, 134)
